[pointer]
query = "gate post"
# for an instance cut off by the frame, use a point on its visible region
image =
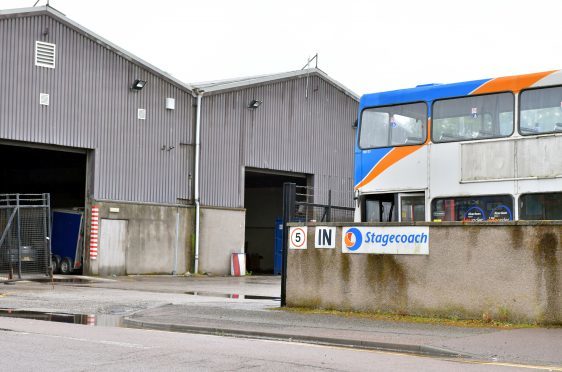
(47, 231)
(289, 199)
(18, 209)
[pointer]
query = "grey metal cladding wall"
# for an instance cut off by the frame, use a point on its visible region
(288, 132)
(92, 107)
(221, 150)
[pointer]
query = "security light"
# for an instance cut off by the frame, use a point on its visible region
(254, 104)
(138, 84)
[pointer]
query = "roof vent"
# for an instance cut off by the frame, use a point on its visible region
(45, 54)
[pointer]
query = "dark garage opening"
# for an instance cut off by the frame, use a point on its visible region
(263, 200)
(32, 170)
(61, 174)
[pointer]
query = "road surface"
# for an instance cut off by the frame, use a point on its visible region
(32, 345)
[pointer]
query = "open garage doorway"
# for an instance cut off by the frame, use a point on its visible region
(36, 170)
(263, 200)
(62, 173)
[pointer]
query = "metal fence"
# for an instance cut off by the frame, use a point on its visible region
(307, 204)
(24, 235)
(315, 205)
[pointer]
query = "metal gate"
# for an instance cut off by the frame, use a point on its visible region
(307, 204)
(24, 235)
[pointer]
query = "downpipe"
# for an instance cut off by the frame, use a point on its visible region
(196, 195)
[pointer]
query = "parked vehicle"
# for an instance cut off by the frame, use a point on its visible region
(484, 150)
(67, 241)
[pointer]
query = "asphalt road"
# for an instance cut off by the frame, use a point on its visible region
(32, 345)
(39, 345)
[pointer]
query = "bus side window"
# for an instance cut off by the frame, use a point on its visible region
(540, 110)
(473, 208)
(543, 206)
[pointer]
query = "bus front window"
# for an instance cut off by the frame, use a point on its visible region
(396, 125)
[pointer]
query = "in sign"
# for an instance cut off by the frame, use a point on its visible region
(325, 237)
(297, 237)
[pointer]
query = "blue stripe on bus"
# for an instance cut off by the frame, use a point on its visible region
(366, 160)
(426, 93)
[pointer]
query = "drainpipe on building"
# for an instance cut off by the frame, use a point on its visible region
(196, 179)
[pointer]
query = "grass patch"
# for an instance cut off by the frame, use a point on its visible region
(389, 317)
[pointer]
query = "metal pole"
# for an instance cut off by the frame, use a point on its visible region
(18, 233)
(289, 194)
(196, 181)
(175, 270)
(46, 231)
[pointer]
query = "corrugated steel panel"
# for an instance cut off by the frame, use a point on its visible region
(92, 107)
(296, 129)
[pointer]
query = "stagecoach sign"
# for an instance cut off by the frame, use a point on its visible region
(386, 240)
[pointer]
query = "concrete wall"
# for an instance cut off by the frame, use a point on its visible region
(222, 233)
(507, 271)
(151, 244)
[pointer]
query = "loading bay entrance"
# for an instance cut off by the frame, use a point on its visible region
(61, 173)
(263, 200)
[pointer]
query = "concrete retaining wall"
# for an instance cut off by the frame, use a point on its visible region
(507, 271)
(151, 243)
(222, 233)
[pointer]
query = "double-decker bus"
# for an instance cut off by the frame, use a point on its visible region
(484, 150)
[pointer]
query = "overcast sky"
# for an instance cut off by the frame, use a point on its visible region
(368, 46)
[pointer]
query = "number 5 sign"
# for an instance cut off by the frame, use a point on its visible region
(297, 237)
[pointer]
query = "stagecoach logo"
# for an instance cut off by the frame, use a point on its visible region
(353, 239)
(386, 239)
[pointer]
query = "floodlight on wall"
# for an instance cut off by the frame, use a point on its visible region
(138, 84)
(254, 104)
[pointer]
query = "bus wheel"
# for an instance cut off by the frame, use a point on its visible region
(66, 266)
(56, 264)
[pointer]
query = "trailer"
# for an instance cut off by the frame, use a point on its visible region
(67, 241)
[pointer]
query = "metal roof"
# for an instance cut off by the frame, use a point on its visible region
(210, 87)
(220, 86)
(50, 11)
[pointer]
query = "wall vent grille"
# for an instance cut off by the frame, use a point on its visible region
(45, 54)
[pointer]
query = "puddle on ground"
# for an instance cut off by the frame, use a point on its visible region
(235, 296)
(91, 320)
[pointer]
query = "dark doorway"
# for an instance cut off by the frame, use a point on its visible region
(31, 170)
(263, 200)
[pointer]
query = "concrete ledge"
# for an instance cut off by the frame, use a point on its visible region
(432, 224)
(327, 341)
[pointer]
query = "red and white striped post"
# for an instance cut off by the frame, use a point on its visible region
(94, 233)
(238, 264)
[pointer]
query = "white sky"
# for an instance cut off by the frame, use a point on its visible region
(368, 46)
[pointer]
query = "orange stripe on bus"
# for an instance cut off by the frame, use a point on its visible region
(395, 155)
(511, 83)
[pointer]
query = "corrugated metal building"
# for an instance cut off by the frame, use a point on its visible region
(301, 131)
(303, 125)
(92, 106)
(71, 124)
